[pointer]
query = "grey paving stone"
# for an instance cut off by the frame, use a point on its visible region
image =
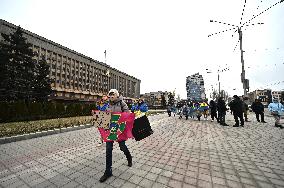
(277, 182)
(264, 184)
(158, 185)
(117, 182)
(167, 173)
(71, 184)
(162, 179)
(146, 183)
(234, 184)
(217, 180)
(44, 184)
(59, 180)
(156, 170)
(151, 176)
(135, 179)
(175, 184)
(16, 184)
(128, 185)
(190, 180)
(247, 181)
(204, 184)
(219, 186)
(125, 175)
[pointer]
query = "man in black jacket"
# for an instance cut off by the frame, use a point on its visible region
(258, 108)
(221, 107)
(237, 107)
(213, 110)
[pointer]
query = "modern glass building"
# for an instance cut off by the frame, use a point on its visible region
(195, 87)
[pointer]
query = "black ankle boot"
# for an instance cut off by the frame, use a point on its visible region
(129, 159)
(105, 177)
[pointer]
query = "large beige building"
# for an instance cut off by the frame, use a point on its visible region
(75, 76)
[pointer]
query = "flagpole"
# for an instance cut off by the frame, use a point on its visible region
(105, 56)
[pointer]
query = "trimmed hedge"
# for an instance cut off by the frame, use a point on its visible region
(19, 128)
(29, 111)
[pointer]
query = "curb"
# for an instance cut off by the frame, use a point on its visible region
(6, 140)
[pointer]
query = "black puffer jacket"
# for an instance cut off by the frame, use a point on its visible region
(221, 105)
(236, 106)
(213, 106)
(257, 107)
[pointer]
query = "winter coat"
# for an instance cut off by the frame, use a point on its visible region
(142, 107)
(276, 107)
(118, 105)
(185, 110)
(257, 107)
(237, 106)
(213, 106)
(169, 109)
(221, 106)
(103, 106)
(245, 106)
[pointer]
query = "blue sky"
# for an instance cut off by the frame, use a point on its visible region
(162, 42)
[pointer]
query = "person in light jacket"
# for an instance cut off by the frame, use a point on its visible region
(116, 105)
(276, 109)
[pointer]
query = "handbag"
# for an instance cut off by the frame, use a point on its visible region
(141, 128)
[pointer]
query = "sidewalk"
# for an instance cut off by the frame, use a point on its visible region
(180, 153)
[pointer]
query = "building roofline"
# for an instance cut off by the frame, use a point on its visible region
(13, 26)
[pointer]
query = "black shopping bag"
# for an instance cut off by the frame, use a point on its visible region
(141, 128)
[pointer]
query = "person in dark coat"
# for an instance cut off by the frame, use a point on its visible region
(221, 107)
(258, 108)
(245, 109)
(237, 107)
(213, 110)
(169, 110)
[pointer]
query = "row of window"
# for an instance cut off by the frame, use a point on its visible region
(72, 74)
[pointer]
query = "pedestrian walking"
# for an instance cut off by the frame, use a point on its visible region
(116, 105)
(169, 110)
(204, 108)
(213, 110)
(221, 107)
(237, 107)
(140, 106)
(185, 111)
(245, 108)
(174, 110)
(276, 109)
(198, 110)
(258, 108)
(102, 105)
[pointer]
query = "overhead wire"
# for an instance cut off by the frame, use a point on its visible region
(262, 12)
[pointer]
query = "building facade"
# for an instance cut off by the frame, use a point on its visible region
(155, 99)
(276, 95)
(263, 95)
(75, 76)
(195, 87)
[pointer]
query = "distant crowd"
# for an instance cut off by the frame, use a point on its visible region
(217, 110)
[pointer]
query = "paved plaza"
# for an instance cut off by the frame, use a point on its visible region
(180, 153)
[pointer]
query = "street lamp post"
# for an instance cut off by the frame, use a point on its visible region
(219, 83)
